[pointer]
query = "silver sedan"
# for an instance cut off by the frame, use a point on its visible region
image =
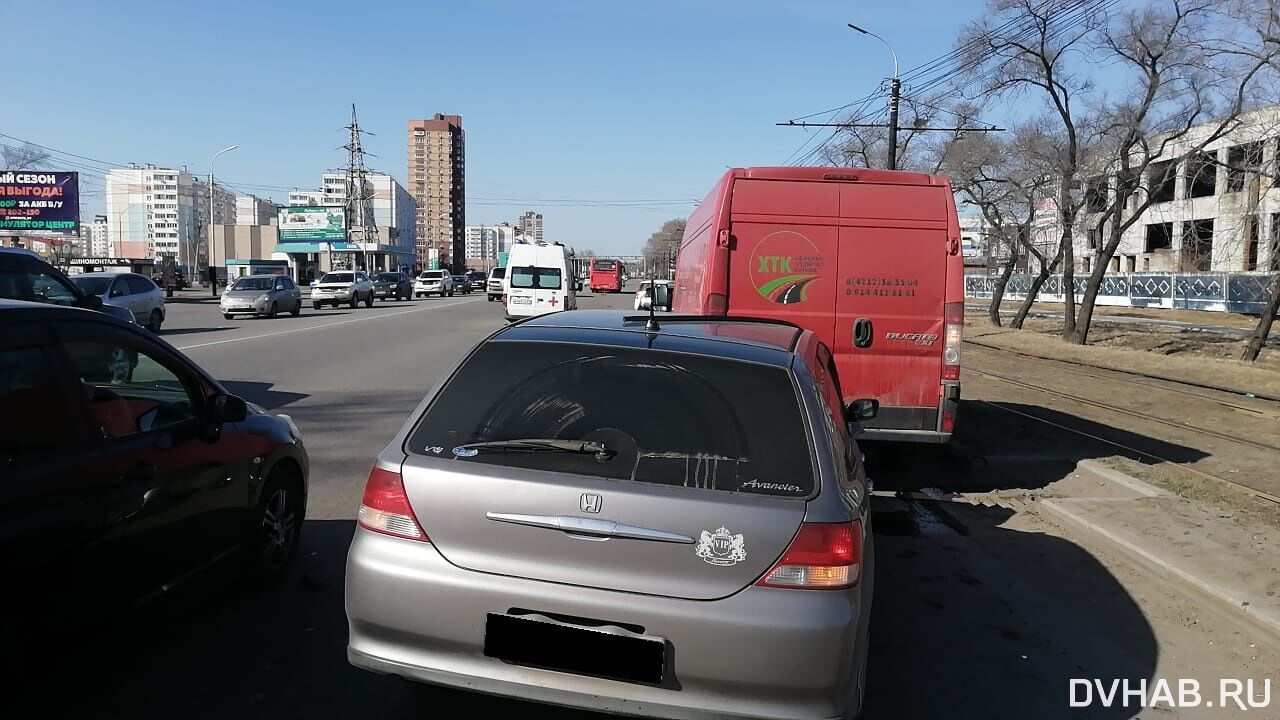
(129, 291)
(262, 296)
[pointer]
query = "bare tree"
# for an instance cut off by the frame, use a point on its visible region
(1002, 178)
(664, 243)
(1179, 83)
(918, 149)
(24, 157)
(1029, 48)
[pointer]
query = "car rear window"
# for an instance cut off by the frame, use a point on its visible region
(499, 273)
(672, 418)
(388, 277)
(433, 275)
(338, 278)
(540, 278)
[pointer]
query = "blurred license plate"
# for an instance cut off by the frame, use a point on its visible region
(568, 648)
(521, 301)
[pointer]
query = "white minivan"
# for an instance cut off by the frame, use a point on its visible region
(539, 280)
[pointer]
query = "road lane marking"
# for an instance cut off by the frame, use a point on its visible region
(309, 328)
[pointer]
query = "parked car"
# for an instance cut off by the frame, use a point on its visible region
(433, 282)
(261, 295)
(131, 469)
(494, 285)
(622, 556)
(392, 286)
(24, 275)
(130, 291)
(346, 286)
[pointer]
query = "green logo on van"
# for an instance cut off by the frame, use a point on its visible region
(783, 266)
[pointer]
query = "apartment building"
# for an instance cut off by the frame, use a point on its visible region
(485, 242)
(163, 213)
(253, 210)
(530, 224)
(437, 172)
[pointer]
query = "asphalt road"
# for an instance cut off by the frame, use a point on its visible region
(977, 612)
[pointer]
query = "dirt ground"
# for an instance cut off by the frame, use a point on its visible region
(1199, 317)
(1178, 354)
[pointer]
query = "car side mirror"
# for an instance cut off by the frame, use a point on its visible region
(860, 410)
(228, 408)
(117, 293)
(91, 302)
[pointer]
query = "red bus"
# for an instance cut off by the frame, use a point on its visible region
(868, 259)
(606, 275)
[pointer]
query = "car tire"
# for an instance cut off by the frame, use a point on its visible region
(297, 309)
(273, 538)
(156, 319)
(450, 293)
(227, 316)
(368, 302)
(490, 298)
(355, 302)
(275, 310)
(315, 306)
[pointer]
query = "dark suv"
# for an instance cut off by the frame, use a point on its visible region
(127, 469)
(25, 276)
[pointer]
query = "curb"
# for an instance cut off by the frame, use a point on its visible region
(1231, 601)
(1139, 486)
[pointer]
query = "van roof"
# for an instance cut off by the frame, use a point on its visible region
(838, 174)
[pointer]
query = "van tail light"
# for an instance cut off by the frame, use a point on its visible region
(953, 321)
(385, 507)
(948, 420)
(823, 556)
(717, 304)
(504, 299)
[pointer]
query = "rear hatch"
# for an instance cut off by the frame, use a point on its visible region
(697, 503)
(534, 290)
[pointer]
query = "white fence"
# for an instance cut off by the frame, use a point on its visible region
(1239, 292)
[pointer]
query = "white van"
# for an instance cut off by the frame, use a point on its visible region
(539, 280)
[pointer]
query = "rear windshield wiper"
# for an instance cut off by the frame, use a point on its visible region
(579, 447)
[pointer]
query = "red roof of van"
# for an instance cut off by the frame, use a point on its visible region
(839, 174)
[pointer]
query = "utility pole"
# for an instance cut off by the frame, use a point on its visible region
(895, 89)
(359, 205)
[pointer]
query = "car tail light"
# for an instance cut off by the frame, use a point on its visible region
(717, 304)
(385, 507)
(823, 556)
(953, 320)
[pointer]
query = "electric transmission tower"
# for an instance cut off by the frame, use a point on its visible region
(361, 225)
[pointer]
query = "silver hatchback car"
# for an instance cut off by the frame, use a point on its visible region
(527, 534)
(130, 291)
(261, 296)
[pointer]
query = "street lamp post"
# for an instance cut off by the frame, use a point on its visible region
(895, 88)
(209, 224)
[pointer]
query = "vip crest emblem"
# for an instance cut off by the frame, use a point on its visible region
(722, 547)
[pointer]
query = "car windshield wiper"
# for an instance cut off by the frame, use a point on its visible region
(579, 447)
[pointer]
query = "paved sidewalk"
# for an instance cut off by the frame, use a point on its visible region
(1229, 565)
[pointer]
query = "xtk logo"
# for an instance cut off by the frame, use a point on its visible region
(925, 339)
(783, 266)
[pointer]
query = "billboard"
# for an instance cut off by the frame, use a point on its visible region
(38, 201)
(310, 222)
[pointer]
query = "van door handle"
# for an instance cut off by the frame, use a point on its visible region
(863, 333)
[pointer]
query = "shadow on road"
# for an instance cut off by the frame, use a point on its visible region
(262, 393)
(960, 621)
(1001, 446)
(991, 622)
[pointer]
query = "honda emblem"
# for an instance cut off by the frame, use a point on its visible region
(590, 502)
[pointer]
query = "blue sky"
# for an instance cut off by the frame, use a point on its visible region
(561, 99)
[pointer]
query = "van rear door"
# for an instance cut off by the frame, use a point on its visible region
(784, 252)
(892, 269)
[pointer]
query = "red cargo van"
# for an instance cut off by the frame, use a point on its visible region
(868, 259)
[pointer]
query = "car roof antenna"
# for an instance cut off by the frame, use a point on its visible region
(651, 326)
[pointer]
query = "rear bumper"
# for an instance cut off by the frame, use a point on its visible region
(902, 424)
(762, 653)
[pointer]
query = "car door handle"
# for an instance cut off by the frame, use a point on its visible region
(863, 333)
